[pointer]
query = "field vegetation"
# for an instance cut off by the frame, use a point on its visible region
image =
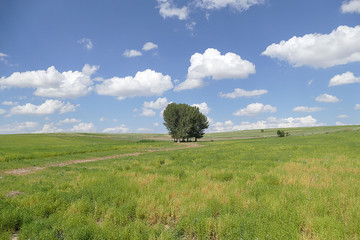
(254, 185)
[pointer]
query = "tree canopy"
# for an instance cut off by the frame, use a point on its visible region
(184, 122)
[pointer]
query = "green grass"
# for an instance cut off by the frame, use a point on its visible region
(24, 150)
(297, 187)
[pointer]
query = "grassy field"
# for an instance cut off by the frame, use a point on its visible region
(305, 186)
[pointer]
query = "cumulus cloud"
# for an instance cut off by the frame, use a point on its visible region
(148, 107)
(132, 53)
(357, 106)
(102, 119)
(48, 107)
(160, 103)
(351, 6)
(316, 50)
(2, 111)
(271, 122)
(50, 128)
(146, 83)
(345, 78)
(238, 92)
(168, 10)
(148, 113)
(86, 42)
(149, 46)
(83, 127)
(212, 64)
(144, 130)
(68, 120)
(9, 103)
(254, 109)
(52, 83)
(203, 108)
(19, 127)
(342, 116)
(327, 98)
(240, 5)
(118, 129)
(339, 124)
(307, 109)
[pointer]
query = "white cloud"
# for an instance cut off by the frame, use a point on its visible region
(357, 106)
(212, 64)
(132, 53)
(339, 123)
(222, 126)
(316, 50)
(144, 130)
(240, 5)
(86, 42)
(155, 124)
(48, 107)
(3, 58)
(146, 83)
(148, 107)
(2, 111)
(68, 120)
(9, 103)
(52, 83)
(190, 26)
(238, 92)
(271, 122)
(307, 109)
(50, 128)
(102, 119)
(89, 70)
(16, 127)
(343, 116)
(167, 9)
(345, 78)
(158, 104)
(83, 127)
(327, 98)
(254, 109)
(203, 107)
(118, 129)
(149, 46)
(148, 113)
(351, 6)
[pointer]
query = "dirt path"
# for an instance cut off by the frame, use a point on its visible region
(29, 170)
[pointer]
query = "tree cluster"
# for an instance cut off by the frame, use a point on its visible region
(184, 122)
(282, 133)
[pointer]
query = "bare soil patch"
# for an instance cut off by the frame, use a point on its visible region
(13, 194)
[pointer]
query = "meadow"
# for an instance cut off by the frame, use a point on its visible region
(238, 185)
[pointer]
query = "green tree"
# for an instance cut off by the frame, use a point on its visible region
(184, 122)
(198, 125)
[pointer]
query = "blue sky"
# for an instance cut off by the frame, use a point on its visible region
(113, 66)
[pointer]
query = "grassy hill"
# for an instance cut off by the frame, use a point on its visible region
(235, 185)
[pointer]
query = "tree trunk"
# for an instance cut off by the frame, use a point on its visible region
(195, 139)
(178, 140)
